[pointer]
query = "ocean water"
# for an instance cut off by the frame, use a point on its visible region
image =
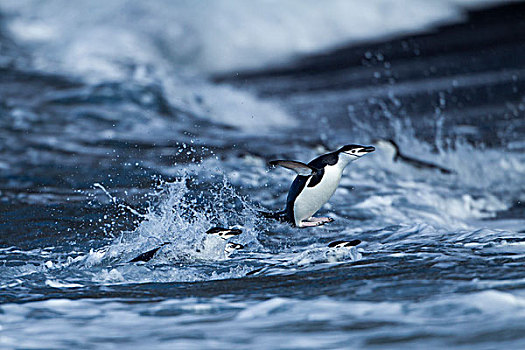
(116, 136)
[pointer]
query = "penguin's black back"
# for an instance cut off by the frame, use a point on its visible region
(297, 186)
(324, 160)
(300, 181)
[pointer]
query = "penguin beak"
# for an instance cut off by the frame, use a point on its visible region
(360, 151)
(365, 150)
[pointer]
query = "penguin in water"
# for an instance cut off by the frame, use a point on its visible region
(333, 247)
(344, 244)
(232, 247)
(315, 183)
(224, 233)
(392, 148)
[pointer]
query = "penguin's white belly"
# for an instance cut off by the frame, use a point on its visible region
(311, 199)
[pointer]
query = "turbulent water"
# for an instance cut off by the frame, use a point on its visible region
(116, 137)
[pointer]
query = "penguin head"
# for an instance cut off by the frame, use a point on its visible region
(353, 152)
(388, 147)
(232, 247)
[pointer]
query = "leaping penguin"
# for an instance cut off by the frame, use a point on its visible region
(315, 183)
(392, 148)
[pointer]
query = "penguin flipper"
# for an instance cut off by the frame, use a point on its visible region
(147, 256)
(298, 167)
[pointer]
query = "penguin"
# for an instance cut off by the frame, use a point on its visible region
(224, 233)
(344, 244)
(232, 247)
(314, 184)
(392, 148)
(334, 244)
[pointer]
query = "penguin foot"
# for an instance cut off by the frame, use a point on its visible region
(309, 224)
(322, 220)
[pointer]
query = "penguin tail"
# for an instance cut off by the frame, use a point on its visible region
(275, 215)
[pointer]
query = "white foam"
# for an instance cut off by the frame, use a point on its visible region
(173, 43)
(271, 323)
(262, 309)
(486, 182)
(59, 284)
(178, 218)
(213, 36)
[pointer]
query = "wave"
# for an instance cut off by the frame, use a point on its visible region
(107, 37)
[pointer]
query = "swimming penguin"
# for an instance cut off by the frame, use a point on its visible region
(344, 244)
(232, 247)
(391, 147)
(224, 233)
(315, 183)
(311, 255)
